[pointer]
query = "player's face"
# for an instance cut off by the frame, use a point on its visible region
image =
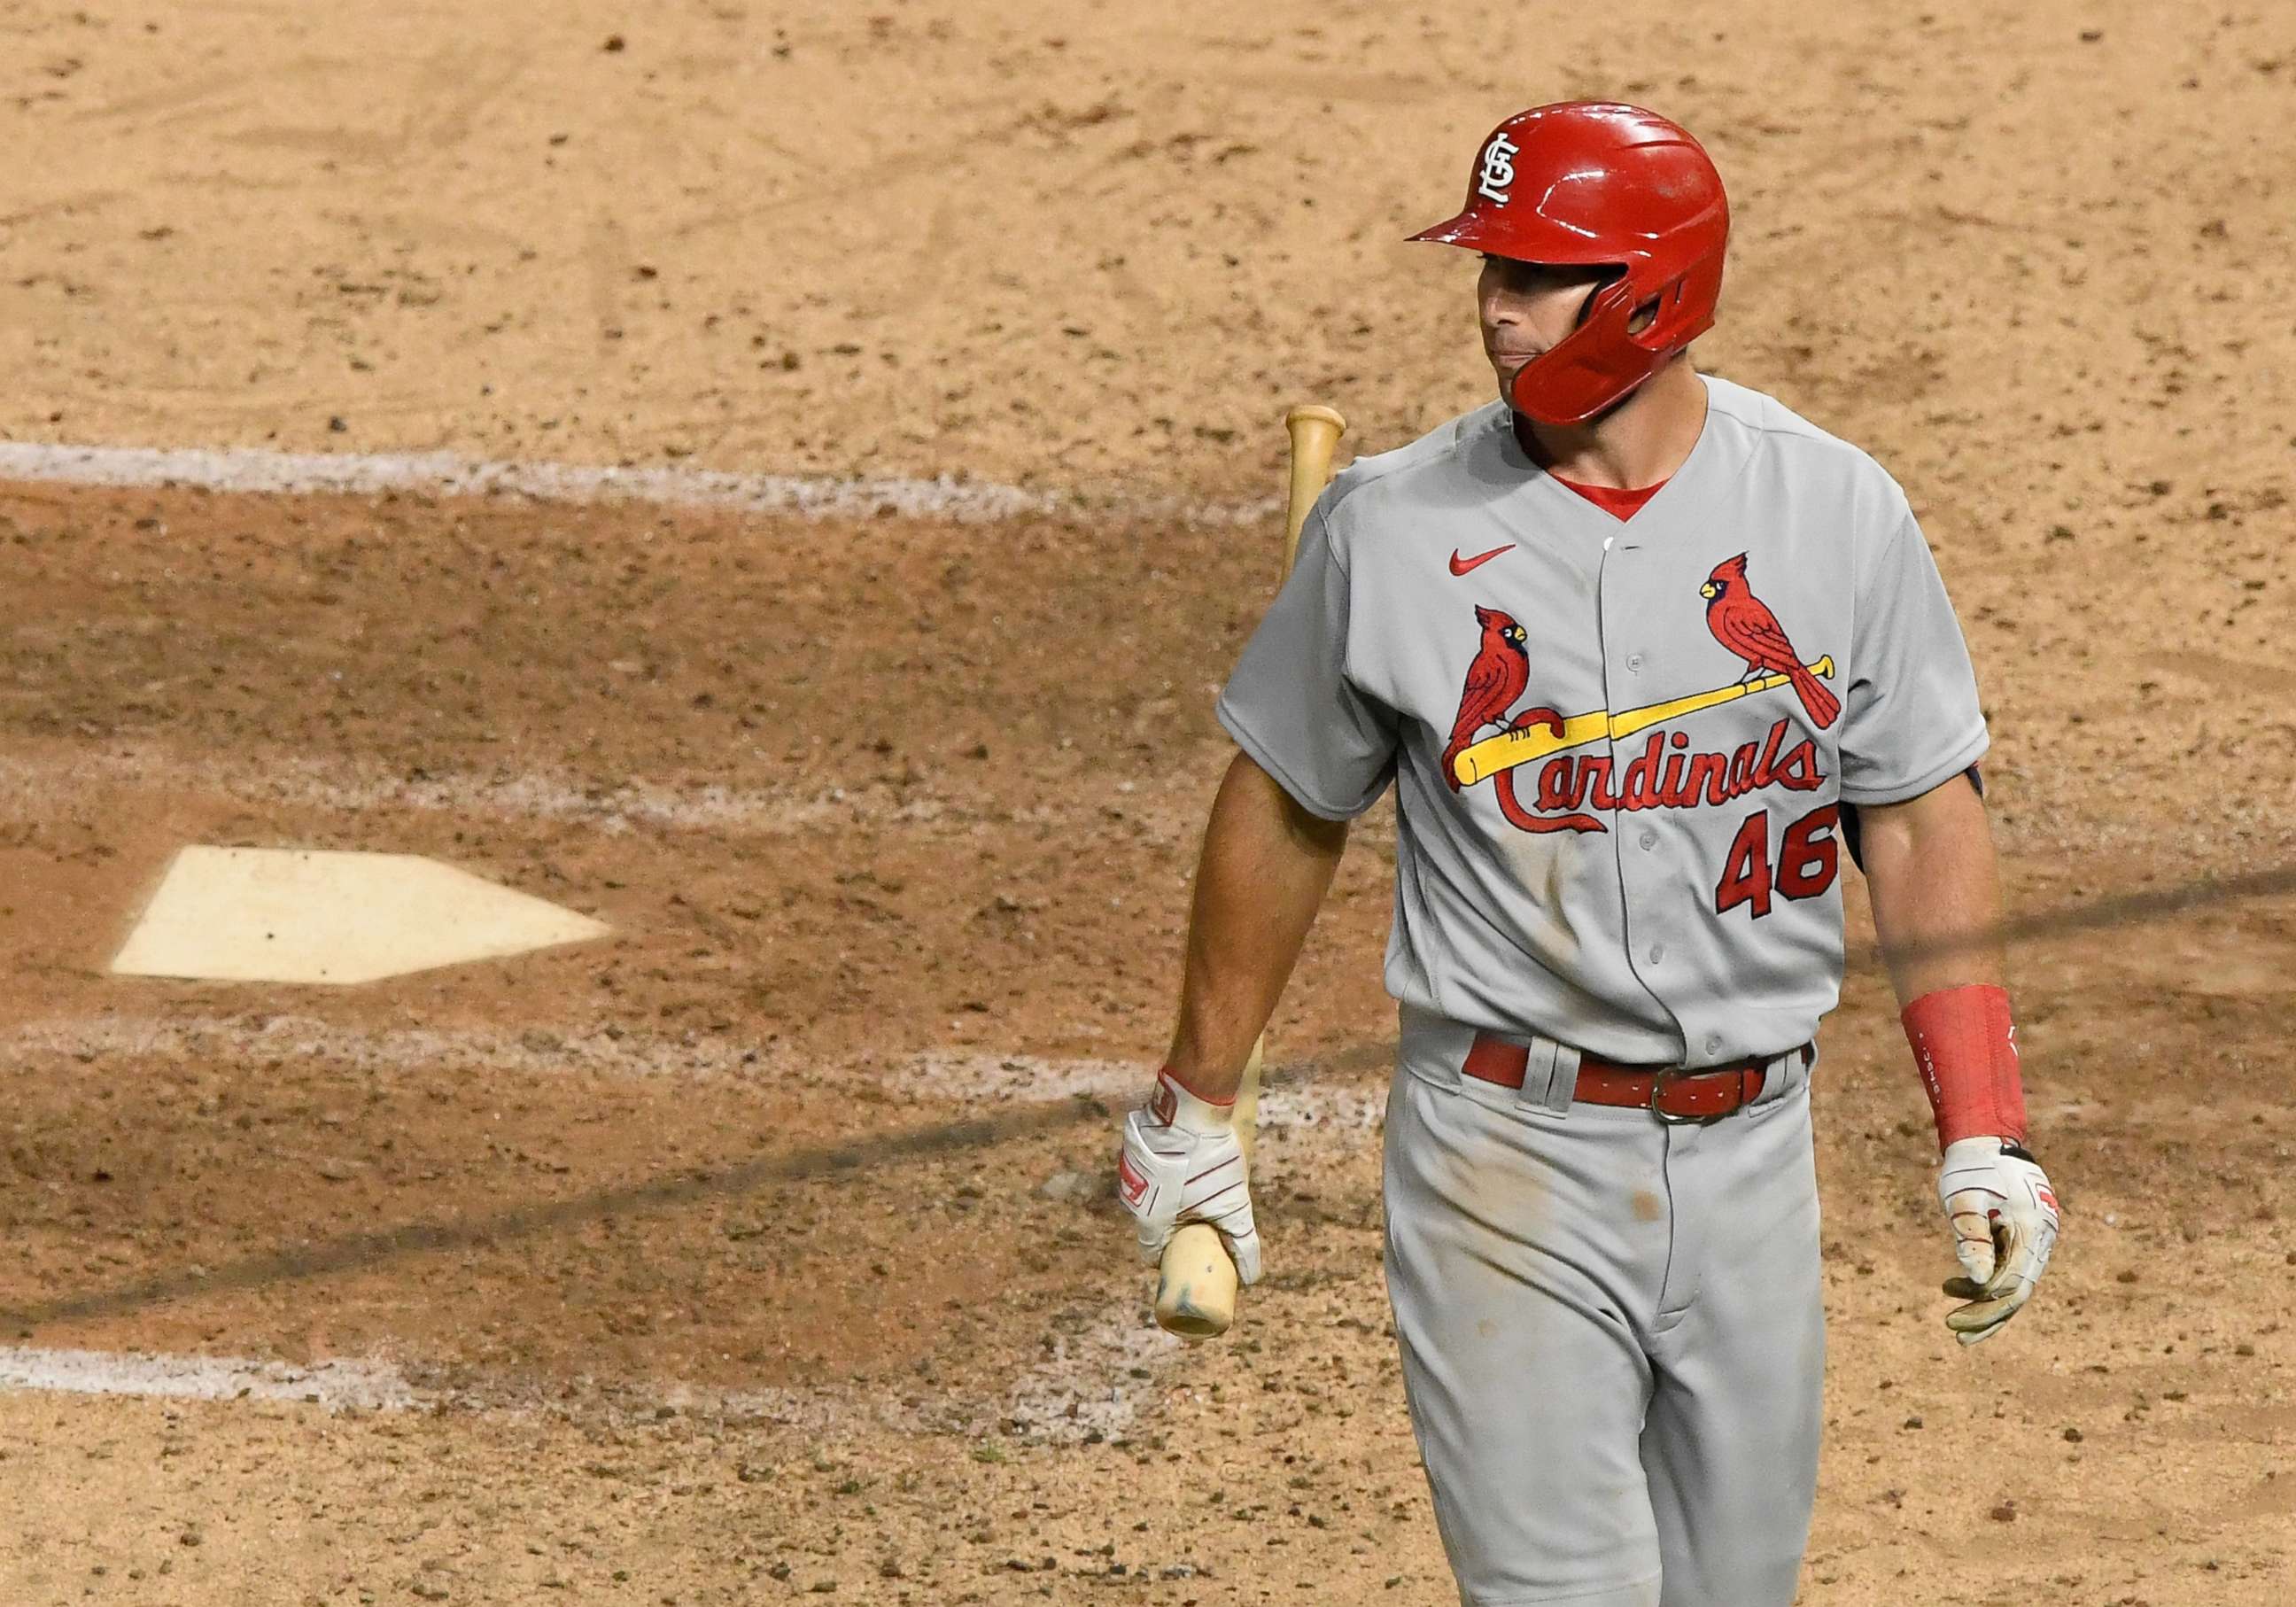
(1526, 310)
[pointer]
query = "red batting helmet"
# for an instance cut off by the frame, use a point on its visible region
(1591, 183)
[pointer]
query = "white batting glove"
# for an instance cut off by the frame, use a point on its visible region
(2005, 1225)
(1182, 1162)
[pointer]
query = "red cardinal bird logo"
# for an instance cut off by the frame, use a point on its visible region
(1742, 622)
(1501, 670)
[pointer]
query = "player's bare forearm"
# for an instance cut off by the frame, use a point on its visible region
(1266, 863)
(1936, 888)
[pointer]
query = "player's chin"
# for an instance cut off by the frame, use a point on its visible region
(1504, 368)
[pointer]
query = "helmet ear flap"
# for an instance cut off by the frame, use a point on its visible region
(1611, 274)
(1566, 384)
(1660, 318)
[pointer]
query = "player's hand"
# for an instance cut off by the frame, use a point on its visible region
(2005, 1224)
(1182, 1162)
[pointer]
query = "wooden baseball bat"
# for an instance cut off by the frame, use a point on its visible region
(1195, 1294)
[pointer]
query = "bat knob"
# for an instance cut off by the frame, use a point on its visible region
(1196, 1298)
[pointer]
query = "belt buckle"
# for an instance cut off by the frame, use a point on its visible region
(1665, 1075)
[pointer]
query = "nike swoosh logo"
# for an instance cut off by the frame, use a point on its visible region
(1460, 566)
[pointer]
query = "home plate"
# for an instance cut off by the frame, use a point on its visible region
(290, 915)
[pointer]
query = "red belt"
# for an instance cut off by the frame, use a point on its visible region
(1673, 1093)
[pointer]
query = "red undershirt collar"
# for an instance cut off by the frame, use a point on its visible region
(1619, 505)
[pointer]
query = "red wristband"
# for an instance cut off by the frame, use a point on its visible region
(1965, 1047)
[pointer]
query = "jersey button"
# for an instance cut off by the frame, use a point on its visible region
(1714, 1045)
(1650, 840)
(1634, 663)
(1657, 953)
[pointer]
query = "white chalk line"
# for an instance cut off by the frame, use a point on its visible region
(259, 471)
(36, 785)
(599, 1048)
(968, 1079)
(1086, 1386)
(367, 1385)
(1303, 1112)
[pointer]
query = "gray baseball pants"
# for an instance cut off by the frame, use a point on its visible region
(1613, 1338)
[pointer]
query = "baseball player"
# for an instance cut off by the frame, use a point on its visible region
(1643, 654)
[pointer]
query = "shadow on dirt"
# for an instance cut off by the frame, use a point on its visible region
(362, 1251)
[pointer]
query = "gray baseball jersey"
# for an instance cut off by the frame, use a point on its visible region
(1620, 747)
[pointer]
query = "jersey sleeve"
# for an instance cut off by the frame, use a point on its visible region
(1291, 704)
(1913, 721)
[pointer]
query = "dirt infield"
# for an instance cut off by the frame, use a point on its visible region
(763, 1247)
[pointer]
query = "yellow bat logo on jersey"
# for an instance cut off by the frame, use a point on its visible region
(1532, 744)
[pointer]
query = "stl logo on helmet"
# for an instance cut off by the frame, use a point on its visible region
(1497, 175)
